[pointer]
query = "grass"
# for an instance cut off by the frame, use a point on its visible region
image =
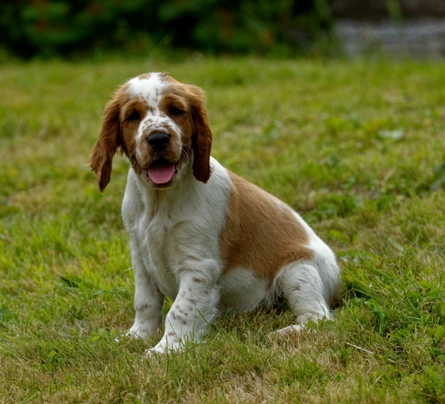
(357, 147)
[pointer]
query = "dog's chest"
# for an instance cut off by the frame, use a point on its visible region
(160, 240)
(163, 253)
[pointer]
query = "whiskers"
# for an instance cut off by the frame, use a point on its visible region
(134, 161)
(185, 153)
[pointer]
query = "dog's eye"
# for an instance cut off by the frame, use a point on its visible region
(175, 111)
(133, 117)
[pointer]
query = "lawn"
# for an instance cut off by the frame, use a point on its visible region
(357, 147)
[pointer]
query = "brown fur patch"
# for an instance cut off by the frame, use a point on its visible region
(109, 140)
(261, 232)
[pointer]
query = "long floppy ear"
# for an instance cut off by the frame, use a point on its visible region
(202, 139)
(105, 148)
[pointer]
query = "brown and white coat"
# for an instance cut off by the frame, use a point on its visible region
(199, 234)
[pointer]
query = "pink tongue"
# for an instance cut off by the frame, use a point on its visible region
(161, 173)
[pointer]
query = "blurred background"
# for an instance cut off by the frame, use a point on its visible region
(282, 28)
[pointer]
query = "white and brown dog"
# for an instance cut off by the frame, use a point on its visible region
(199, 234)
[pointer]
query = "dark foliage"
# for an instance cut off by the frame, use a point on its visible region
(47, 28)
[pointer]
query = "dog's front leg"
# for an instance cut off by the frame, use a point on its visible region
(191, 313)
(148, 302)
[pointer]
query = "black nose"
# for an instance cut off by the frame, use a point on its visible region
(158, 140)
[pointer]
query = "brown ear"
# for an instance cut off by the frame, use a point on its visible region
(105, 148)
(202, 139)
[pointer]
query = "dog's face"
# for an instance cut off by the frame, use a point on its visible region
(161, 126)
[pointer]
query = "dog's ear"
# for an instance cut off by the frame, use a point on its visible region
(202, 137)
(107, 144)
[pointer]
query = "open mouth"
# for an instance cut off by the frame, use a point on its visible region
(161, 171)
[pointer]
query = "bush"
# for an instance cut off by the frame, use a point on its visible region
(57, 27)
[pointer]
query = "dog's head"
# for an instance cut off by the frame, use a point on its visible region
(161, 126)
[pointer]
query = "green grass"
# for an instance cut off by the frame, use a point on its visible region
(357, 147)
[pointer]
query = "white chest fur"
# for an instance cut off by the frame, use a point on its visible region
(172, 229)
(162, 258)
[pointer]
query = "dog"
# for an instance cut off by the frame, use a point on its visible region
(200, 234)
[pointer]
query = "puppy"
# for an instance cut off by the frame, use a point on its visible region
(199, 234)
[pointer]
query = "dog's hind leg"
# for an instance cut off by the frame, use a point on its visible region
(306, 293)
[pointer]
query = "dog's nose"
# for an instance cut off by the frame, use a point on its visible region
(158, 140)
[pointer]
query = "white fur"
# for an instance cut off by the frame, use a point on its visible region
(148, 89)
(242, 290)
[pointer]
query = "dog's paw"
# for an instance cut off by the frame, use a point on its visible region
(157, 351)
(138, 333)
(153, 353)
(293, 329)
(132, 335)
(165, 346)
